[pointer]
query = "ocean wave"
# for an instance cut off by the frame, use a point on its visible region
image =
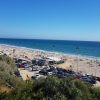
(54, 52)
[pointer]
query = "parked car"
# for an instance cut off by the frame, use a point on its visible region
(33, 77)
(17, 74)
(87, 79)
(43, 72)
(98, 79)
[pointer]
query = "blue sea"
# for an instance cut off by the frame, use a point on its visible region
(84, 48)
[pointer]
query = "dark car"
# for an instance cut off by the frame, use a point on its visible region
(98, 79)
(33, 77)
(60, 73)
(67, 74)
(43, 72)
(89, 80)
(17, 74)
(34, 62)
(41, 63)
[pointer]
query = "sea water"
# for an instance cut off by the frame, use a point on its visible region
(84, 48)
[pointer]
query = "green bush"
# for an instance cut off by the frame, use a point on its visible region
(7, 69)
(96, 93)
(51, 88)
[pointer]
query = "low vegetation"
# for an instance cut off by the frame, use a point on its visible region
(51, 88)
(7, 70)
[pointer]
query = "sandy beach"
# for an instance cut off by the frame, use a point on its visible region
(77, 63)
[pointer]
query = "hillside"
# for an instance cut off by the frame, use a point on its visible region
(8, 79)
(51, 88)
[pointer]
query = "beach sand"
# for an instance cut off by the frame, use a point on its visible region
(84, 65)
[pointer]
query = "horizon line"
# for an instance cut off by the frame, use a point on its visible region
(52, 39)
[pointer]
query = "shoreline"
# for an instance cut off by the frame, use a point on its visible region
(53, 52)
(84, 65)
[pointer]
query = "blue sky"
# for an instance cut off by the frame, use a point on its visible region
(50, 19)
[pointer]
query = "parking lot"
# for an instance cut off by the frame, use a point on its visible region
(35, 70)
